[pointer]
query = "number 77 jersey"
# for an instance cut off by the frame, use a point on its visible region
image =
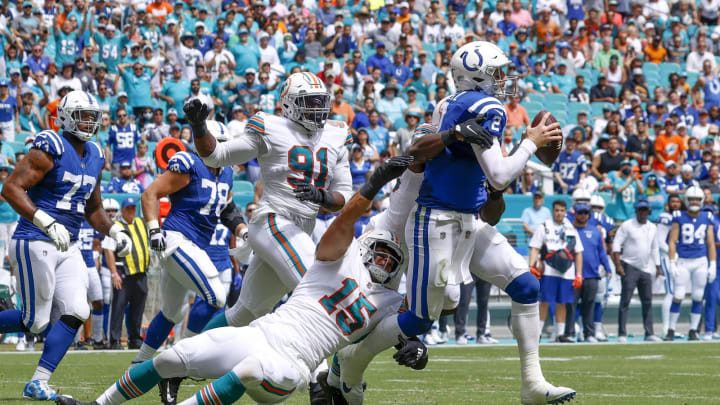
(291, 156)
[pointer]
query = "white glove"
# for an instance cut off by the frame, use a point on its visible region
(123, 240)
(673, 269)
(55, 230)
(242, 249)
(712, 271)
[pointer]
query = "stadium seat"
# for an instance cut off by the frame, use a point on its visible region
(533, 105)
(242, 186)
(106, 176)
(536, 98)
(649, 67)
(666, 68)
(597, 109)
(556, 98)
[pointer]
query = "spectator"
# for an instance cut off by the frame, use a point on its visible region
(655, 196)
(561, 81)
(579, 94)
(562, 266)
(710, 84)
(686, 178)
(136, 84)
(570, 168)
(602, 92)
(602, 58)
(517, 116)
(359, 167)
(713, 180)
(627, 187)
(391, 106)
(129, 278)
(378, 60)
(341, 110)
(608, 161)
(157, 129)
(701, 129)
(144, 165)
(670, 183)
(37, 61)
(537, 82)
(121, 142)
(686, 115)
(697, 58)
(668, 146)
(527, 184)
(637, 84)
(655, 52)
(692, 156)
(533, 216)
(633, 247)
(66, 80)
(125, 182)
(404, 136)
(370, 152)
(640, 147)
(248, 93)
(9, 122)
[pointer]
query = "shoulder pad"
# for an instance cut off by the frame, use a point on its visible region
(50, 142)
(98, 148)
(181, 162)
(256, 124)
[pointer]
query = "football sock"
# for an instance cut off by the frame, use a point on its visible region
(526, 330)
(11, 321)
(695, 314)
(134, 383)
(219, 321)
(57, 343)
(157, 332)
(200, 314)
(667, 302)
(674, 314)
(598, 312)
(225, 391)
(560, 327)
(598, 327)
(541, 324)
(333, 377)
(97, 325)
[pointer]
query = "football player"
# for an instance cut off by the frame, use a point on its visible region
(607, 226)
(340, 301)
(95, 293)
(712, 292)
(53, 189)
(691, 247)
(674, 203)
(112, 208)
(199, 197)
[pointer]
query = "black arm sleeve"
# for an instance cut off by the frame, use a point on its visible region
(231, 217)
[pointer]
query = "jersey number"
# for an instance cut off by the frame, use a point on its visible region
(495, 125)
(76, 181)
(125, 140)
(691, 235)
(219, 236)
(218, 196)
(300, 160)
(567, 170)
(350, 318)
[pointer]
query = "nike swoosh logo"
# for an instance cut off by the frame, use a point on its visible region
(346, 388)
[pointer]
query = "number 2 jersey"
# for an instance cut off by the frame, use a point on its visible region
(195, 209)
(454, 179)
(336, 304)
(289, 155)
(64, 190)
(693, 232)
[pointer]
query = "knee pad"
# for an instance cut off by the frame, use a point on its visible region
(451, 298)
(72, 321)
(249, 371)
(698, 293)
(411, 325)
(169, 364)
(524, 289)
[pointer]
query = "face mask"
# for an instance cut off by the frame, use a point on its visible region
(626, 171)
(147, 116)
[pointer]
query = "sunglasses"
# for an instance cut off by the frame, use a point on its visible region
(583, 212)
(122, 115)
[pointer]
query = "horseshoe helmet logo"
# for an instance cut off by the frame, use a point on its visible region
(477, 66)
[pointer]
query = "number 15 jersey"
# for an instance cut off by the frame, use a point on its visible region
(289, 155)
(64, 190)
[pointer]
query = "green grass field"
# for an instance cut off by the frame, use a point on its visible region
(678, 373)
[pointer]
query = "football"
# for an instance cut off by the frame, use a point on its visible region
(548, 153)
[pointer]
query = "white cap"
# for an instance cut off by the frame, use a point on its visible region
(649, 25)
(404, 4)
(686, 168)
(200, 24)
(110, 27)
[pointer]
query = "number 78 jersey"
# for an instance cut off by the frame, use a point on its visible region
(290, 156)
(693, 233)
(336, 304)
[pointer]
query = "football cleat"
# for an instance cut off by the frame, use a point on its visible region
(670, 336)
(546, 393)
(429, 340)
(652, 338)
(318, 395)
(100, 345)
(565, 339)
(486, 339)
(693, 335)
(68, 400)
(80, 345)
(39, 390)
(591, 339)
(707, 336)
(20, 346)
(335, 395)
(599, 335)
(622, 339)
(168, 388)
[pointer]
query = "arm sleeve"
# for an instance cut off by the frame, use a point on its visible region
(619, 239)
(578, 245)
(342, 180)
(500, 170)
(602, 255)
(242, 149)
(538, 238)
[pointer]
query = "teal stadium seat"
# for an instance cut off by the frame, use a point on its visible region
(243, 193)
(667, 67)
(536, 98)
(556, 98)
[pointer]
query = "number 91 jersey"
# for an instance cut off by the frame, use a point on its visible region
(195, 209)
(693, 232)
(64, 190)
(291, 157)
(336, 304)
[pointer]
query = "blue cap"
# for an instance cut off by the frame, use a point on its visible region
(129, 202)
(125, 164)
(642, 204)
(581, 206)
(380, 45)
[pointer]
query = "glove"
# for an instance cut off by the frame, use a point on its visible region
(242, 249)
(712, 271)
(307, 192)
(473, 132)
(535, 272)
(157, 236)
(673, 269)
(196, 112)
(123, 240)
(391, 169)
(411, 353)
(55, 230)
(577, 283)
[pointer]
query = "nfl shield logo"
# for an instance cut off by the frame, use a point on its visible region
(442, 235)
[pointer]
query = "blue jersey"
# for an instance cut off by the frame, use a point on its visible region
(123, 140)
(604, 221)
(63, 191)
(195, 209)
(672, 183)
(454, 179)
(218, 248)
(712, 91)
(593, 251)
(85, 240)
(119, 185)
(693, 233)
(570, 166)
(716, 225)
(694, 159)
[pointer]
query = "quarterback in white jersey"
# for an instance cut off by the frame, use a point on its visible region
(344, 296)
(303, 166)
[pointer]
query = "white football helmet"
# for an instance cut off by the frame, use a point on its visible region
(305, 100)
(597, 202)
(110, 204)
(369, 244)
(79, 114)
(694, 197)
(480, 66)
(218, 130)
(581, 195)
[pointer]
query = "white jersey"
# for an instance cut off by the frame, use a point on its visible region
(288, 157)
(335, 305)
(188, 58)
(402, 201)
(662, 232)
(555, 237)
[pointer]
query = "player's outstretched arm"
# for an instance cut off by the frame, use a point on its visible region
(167, 183)
(339, 235)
